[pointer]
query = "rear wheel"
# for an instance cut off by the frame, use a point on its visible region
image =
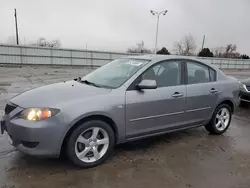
(90, 144)
(220, 120)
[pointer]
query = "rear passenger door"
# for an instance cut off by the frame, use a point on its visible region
(202, 93)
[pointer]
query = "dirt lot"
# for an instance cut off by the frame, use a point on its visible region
(184, 159)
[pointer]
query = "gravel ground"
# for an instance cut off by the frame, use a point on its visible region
(185, 159)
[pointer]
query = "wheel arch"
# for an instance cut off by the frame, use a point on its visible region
(229, 103)
(84, 119)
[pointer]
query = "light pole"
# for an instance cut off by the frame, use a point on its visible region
(158, 16)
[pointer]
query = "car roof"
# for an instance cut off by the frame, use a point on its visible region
(161, 57)
(156, 58)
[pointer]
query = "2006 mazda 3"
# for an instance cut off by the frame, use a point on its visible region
(124, 100)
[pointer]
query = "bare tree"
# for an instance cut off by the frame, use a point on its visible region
(11, 40)
(230, 49)
(186, 46)
(218, 51)
(55, 44)
(42, 42)
(139, 49)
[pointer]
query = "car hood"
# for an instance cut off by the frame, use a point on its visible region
(246, 81)
(54, 94)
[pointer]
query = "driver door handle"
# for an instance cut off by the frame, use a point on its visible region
(177, 94)
(213, 90)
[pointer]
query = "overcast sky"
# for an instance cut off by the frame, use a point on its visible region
(118, 24)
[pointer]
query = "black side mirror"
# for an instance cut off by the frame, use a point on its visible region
(147, 84)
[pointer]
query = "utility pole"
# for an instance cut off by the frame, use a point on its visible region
(203, 42)
(17, 39)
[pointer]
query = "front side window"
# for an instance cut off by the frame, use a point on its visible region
(114, 74)
(165, 74)
(197, 73)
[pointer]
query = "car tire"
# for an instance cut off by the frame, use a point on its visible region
(220, 120)
(89, 139)
(244, 104)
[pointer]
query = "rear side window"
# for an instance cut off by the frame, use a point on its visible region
(212, 75)
(197, 73)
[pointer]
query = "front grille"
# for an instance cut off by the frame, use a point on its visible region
(9, 108)
(245, 97)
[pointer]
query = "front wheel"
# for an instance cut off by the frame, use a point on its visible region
(220, 120)
(90, 143)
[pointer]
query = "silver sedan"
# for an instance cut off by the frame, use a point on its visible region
(127, 99)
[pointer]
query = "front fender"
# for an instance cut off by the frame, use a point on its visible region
(111, 106)
(119, 126)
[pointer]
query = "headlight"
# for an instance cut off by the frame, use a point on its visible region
(243, 86)
(36, 114)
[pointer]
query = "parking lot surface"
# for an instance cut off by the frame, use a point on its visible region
(185, 159)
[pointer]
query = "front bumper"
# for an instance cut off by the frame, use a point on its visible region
(39, 138)
(244, 96)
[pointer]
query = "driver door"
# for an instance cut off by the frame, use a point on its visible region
(151, 111)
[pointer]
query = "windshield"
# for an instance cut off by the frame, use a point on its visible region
(114, 74)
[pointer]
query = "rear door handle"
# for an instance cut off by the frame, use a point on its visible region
(177, 94)
(213, 90)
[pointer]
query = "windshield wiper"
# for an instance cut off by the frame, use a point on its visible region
(89, 83)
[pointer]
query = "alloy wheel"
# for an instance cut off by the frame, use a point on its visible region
(222, 119)
(92, 144)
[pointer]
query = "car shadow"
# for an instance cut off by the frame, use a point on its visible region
(183, 147)
(154, 141)
(20, 160)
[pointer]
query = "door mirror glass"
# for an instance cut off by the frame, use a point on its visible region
(147, 84)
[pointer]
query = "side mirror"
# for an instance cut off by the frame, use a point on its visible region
(147, 84)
